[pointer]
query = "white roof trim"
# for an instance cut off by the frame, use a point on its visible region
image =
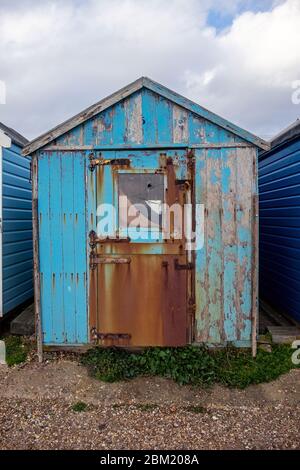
(4, 140)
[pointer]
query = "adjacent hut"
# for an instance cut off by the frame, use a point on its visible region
(279, 191)
(100, 283)
(16, 259)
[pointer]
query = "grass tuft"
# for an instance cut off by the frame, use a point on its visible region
(16, 350)
(191, 365)
(198, 409)
(79, 407)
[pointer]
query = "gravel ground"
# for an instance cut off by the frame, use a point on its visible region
(36, 412)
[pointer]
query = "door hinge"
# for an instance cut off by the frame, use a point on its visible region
(102, 162)
(99, 259)
(116, 337)
(94, 161)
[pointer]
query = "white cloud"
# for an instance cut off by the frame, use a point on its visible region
(58, 57)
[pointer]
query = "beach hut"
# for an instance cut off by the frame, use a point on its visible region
(279, 192)
(127, 278)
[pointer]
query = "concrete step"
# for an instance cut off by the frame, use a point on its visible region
(23, 324)
(284, 334)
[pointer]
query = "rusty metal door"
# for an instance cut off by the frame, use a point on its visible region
(141, 269)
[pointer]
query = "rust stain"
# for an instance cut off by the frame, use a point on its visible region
(153, 312)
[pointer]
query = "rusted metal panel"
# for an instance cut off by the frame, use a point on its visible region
(145, 299)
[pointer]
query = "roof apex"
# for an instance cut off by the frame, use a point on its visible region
(142, 82)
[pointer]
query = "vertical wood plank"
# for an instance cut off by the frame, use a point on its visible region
(36, 261)
(102, 127)
(229, 236)
(201, 272)
(45, 265)
(67, 165)
(214, 246)
(55, 288)
(180, 125)
(149, 108)
(196, 129)
(164, 115)
(80, 246)
(255, 253)
(244, 239)
(133, 112)
(119, 121)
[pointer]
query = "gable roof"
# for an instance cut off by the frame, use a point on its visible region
(287, 134)
(142, 82)
(15, 137)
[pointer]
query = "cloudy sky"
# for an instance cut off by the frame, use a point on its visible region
(239, 58)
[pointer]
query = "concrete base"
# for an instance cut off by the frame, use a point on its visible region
(23, 324)
(284, 334)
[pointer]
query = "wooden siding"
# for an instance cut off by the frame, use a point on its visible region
(145, 118)
(225, 185)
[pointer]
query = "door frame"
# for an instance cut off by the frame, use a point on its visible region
(91, 203)
(5, 142)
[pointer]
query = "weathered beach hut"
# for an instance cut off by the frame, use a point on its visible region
(279, 188)
(16, 258)
(97, 283)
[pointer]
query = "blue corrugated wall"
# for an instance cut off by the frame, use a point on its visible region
(226, 183)
(17, 229)
(279, 191)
